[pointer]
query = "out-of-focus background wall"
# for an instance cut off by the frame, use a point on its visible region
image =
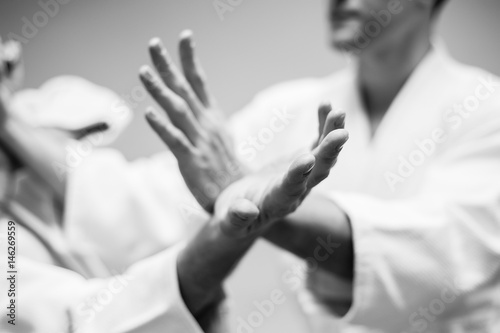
(259, 43)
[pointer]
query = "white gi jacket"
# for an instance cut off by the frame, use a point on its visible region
(128, 296)
(144, 297)
(422, 195)
(425, 215)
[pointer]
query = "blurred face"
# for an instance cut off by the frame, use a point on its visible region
(360, 25)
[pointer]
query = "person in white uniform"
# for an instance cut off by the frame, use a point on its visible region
(420, 192)
(411, 211)
(59, 291)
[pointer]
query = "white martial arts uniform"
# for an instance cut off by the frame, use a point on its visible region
(84, 296)
(422, 194)
(61, 286)
(425, 216)
(51, 299)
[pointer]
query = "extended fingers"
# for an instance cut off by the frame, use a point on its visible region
(294, 181)
(287, 194)
(323, 111)
(334, 120)
(192, 69)
(171, 76)
(172, 136)
(239, 219)
(175, 107)
(326, 155)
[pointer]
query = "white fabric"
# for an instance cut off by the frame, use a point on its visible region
(139, 295)
(435, 232)
(127, 211)
(72, 103)
(145, 298)
(413, 240)
(437, 229)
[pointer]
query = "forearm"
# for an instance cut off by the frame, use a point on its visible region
(37, 151)
(205, 263)
(317, 229)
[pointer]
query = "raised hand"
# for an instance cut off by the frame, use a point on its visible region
(245, 210)
(191, 126)
(249, 206)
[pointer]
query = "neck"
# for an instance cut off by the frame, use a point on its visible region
(383, 71)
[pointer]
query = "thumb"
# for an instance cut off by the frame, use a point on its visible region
(240, 218)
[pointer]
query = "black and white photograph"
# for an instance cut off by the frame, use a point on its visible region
(249, 166)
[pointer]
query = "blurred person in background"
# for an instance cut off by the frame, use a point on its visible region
(412, 204)
(411, 210)
(64, 286)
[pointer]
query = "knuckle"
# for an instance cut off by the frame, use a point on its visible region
(196, 79)
(328, 160)
(181, 108)
(179, 145)
(320, 177)
(181, 88)
(295, 189)
(164, 71)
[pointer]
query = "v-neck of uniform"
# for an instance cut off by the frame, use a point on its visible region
(395, 110)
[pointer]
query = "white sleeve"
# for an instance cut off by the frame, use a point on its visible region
(143, 206)
(442, 244)
(144, 299)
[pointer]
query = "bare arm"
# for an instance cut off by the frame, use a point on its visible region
(244, 206)
(318, 229)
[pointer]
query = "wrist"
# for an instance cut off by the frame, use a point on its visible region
(228, 238)
(204, 264)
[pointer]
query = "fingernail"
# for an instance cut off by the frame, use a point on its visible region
(150, 113)
(308, 172)
(155, 43)
(241, 216)
(339, 148)
(186, 34)
(146, 72)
